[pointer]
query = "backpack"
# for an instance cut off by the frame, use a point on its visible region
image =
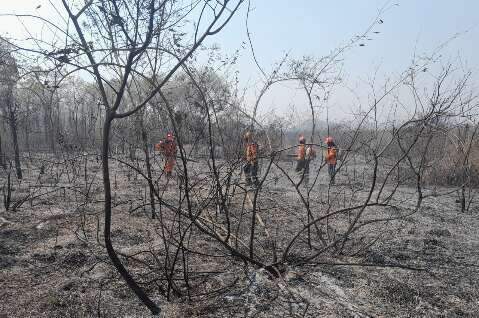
(310, 153)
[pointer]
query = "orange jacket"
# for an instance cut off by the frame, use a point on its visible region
(251, 152)
(301, 152)
(167, 148)
(331, 154)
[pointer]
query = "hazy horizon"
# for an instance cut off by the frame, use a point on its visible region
(315, 28)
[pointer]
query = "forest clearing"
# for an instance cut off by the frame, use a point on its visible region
(147, 171)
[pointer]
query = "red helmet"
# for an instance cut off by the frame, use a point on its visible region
(329, 140)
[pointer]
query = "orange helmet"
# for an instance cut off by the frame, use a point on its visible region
(302, 140)
(329, 140)
(169, 136)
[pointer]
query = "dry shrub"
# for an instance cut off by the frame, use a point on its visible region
(450, 170)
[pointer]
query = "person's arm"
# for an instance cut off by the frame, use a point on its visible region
(302, 153)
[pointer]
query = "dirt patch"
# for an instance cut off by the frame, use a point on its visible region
(48, 258)
(76, 259)
(440, 232)
(125, 238)
(53, 265)
(398, 293)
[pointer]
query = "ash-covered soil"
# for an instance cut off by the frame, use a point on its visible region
(53, 263)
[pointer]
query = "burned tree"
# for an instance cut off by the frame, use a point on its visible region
(10, 107)
(115, 42)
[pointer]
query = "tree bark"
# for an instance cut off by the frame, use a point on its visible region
(144, 137)
(27, 132)
(12, 121)
(2, 156)
(140, 293)
(48, 123)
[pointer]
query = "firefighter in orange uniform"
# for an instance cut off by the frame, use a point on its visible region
(167, 148)
(251, 155)
(304, 155)
(331, 157)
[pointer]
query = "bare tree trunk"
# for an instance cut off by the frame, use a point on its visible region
(140, 293)
(463, 197)
(144, 138)
(7, 197)
(48, 123)
(132, 152)
(12, 121)
(18, 167)
(2, 156)
(27, 135)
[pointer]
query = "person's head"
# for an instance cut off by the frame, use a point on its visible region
(169, 136)
(329, 141)
(248, 136)
(302, 140)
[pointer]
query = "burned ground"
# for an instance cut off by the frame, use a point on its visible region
(54, 263)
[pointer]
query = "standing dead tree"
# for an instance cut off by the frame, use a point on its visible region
(9, 107)
(112, 42)
(452, 161)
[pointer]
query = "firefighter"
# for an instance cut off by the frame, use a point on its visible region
(331, 158)
(304, 156)
(251, 156)
(167, 148)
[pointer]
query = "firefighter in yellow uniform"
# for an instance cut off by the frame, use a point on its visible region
(251, 157)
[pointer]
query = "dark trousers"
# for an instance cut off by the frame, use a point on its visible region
(302, 168)
(332, 171)
(250, 171)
